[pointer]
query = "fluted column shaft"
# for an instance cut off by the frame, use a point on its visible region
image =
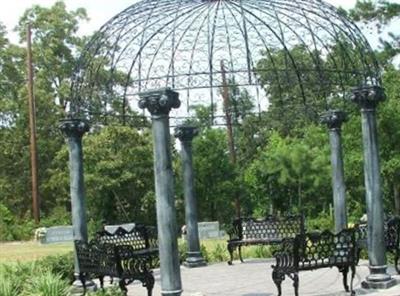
(194, 257)
(334, 120)
(73, 130)
(159, 103)
(368, 98)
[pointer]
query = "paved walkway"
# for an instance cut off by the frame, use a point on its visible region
(253, 278)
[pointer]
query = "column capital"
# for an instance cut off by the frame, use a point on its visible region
(333, 118)
(160, 101)
(72, 127)
(368, 96)
(186, 133)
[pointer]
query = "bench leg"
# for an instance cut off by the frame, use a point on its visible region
(101, 280)
(230, 250)
(345, 271)
(149, 283)
(82, 278)
(122, 286)
(396, 260)
(353, 273)
(296, 283)
(278, 278)
(240, 254)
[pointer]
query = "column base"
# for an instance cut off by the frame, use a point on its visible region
(76, 288)
(378, 279)
(171, 293)
(194, 259)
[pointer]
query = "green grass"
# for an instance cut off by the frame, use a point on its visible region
(216, 251)
(30, 251)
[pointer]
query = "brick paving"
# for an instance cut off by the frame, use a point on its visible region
(253, 278)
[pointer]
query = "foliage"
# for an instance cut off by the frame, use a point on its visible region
(215, 176)
(219, 253)
(62, 265)
(109, 291)
(48, 276)
(324, 221)
(118, 176)
(46, 284)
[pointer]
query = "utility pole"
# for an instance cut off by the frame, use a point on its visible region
(229, 128)
(32, 128)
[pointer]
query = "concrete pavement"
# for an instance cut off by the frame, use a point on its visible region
(253, 278)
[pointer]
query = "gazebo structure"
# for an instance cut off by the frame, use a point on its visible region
(160, 58)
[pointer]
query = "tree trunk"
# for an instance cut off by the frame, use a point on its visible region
(396, 196)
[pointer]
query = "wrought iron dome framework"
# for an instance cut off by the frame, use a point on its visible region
(265, 46)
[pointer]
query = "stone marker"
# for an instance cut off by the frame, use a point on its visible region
(209, 230)
(56, 234)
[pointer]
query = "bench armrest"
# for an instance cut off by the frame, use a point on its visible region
(235, 230)
(152, 237)
(285, 256)
(96, 257)
(130, 261)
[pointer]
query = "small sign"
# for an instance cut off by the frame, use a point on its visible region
(209, 230)
(56, 234)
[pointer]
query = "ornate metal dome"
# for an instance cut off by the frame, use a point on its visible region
(288, 50)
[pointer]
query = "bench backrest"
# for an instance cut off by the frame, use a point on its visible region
(271, 227)
(325, 249)
(140, 237)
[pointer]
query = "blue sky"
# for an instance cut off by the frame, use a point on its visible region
(99, 11)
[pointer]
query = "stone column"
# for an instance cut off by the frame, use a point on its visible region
(334, 120)
(194, 257)
(368, 97)
(73, 130)
(159, 103)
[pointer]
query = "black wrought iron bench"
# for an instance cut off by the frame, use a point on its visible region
(271, 230)
(392, 238)
(126, 255)
(313, 251)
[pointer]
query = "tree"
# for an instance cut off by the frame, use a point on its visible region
(119, 183)
(55, 45)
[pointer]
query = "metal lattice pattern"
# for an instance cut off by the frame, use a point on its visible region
(187, 44)
(271, 227)
(136, 263)
(129, 255)
(392, 238)
(316, 250)
(139, 237)
(325, 249)
(271, 230)
(96, 259)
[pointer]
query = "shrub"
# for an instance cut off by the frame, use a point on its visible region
(182, 248)
(262, 252)
(62, 265)
(219, 253)
(8, 286)
(45, 284)
(204, 252)
(110, 291)
(322, 222)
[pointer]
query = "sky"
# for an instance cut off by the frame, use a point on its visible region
(99, 11)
